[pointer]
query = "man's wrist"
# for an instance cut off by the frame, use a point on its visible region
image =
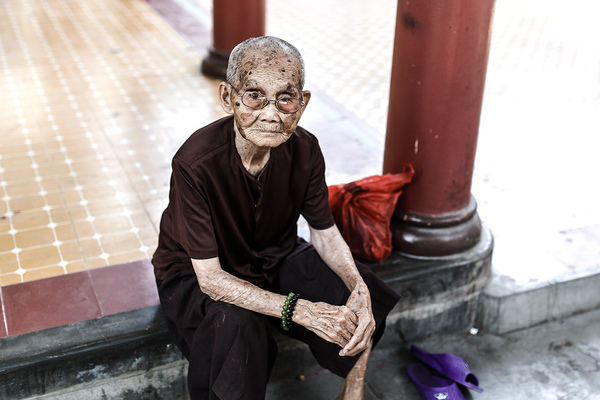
(353, 282)
(360, 286)
(301, 311)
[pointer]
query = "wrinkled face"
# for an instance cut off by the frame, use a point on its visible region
(275, 77)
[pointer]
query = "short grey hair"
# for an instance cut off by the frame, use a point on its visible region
(262, 44)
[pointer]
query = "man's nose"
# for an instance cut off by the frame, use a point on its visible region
(270, 112)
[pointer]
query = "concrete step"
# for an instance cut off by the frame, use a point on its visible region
(121, 356)
(506, 307)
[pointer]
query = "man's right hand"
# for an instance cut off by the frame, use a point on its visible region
(335, 324)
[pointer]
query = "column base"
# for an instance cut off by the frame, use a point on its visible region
(439, 295)
(215, 63)
(436, 235)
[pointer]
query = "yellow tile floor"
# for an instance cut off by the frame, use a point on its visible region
(95, 98)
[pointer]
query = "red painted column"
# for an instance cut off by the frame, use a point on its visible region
(438, 74)
(233, 22)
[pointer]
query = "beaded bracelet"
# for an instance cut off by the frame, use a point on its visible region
(288, 310)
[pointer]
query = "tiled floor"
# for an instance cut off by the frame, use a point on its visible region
(97, 95)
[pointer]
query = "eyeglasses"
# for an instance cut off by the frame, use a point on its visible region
(256, 100)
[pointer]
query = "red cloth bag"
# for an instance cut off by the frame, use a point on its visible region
(363, 210)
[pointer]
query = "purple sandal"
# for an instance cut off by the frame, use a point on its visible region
(449, 365)
(432, 387)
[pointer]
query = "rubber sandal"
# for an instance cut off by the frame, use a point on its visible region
(432, 387)
(449, 365)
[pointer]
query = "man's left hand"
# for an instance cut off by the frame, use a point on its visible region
(359, 302)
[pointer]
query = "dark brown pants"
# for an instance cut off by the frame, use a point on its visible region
(231, 351)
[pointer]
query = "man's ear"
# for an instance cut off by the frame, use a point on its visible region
(225, 97)
(306, 96)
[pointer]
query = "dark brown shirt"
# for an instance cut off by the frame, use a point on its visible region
(216, 208)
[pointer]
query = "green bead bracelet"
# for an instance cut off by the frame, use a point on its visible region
(287, 311)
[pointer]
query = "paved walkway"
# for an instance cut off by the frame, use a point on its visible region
(556, 361)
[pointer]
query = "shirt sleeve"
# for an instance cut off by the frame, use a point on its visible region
(315, 208)
(190, 213)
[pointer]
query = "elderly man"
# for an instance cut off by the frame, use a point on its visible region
(229, 265)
